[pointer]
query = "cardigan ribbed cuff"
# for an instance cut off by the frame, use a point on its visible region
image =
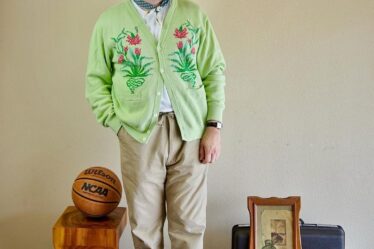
(114, 123)
(214, 113)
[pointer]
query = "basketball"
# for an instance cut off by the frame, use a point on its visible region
(96, 191)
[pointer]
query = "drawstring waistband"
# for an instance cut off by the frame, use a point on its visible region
(161, 114)
(167, 113)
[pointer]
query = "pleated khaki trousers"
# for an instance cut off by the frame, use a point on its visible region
(164, 179)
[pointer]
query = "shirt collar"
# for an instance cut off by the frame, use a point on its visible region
(145, 12)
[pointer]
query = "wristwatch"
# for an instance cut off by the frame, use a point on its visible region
(213, 123)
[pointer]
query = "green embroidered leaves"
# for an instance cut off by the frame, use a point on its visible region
(184, 58)
(130, 56)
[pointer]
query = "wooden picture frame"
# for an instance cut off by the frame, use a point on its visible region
(274, 222)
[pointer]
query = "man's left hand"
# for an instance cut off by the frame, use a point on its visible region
(210, 145)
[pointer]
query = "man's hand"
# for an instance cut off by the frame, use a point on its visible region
(210, 145)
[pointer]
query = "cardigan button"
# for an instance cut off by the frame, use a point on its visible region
(161, 70)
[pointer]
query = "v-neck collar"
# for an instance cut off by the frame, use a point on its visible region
(142, 25)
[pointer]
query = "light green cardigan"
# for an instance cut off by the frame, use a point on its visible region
(127, 69)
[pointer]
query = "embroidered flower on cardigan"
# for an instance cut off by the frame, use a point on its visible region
(181, 32)
(130, 57)
(183, 59)
(134, 39)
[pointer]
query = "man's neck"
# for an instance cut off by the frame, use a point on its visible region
(153, 2)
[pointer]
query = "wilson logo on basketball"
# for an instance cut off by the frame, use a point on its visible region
(100, 173)
(94, 189)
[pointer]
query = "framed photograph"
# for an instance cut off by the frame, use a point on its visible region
(274, 222)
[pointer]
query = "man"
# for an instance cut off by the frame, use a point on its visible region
(155, 76)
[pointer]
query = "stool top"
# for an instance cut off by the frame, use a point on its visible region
(72, 217)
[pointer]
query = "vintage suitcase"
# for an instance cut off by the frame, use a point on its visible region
(313, 236)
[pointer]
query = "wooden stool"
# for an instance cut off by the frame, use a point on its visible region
(73, 230)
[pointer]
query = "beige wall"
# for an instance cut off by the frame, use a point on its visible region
(299, 117)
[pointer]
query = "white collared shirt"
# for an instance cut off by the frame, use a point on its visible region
(154, 22)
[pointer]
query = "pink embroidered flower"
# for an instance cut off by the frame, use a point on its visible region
(180, 45)
(193, 50)
(121, 59)
(181, 33)
(126, 49)
(134, 40)
(138, 51)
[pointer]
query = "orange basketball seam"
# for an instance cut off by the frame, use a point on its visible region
(93, 199)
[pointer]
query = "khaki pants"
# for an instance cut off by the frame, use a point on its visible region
(164, 178)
